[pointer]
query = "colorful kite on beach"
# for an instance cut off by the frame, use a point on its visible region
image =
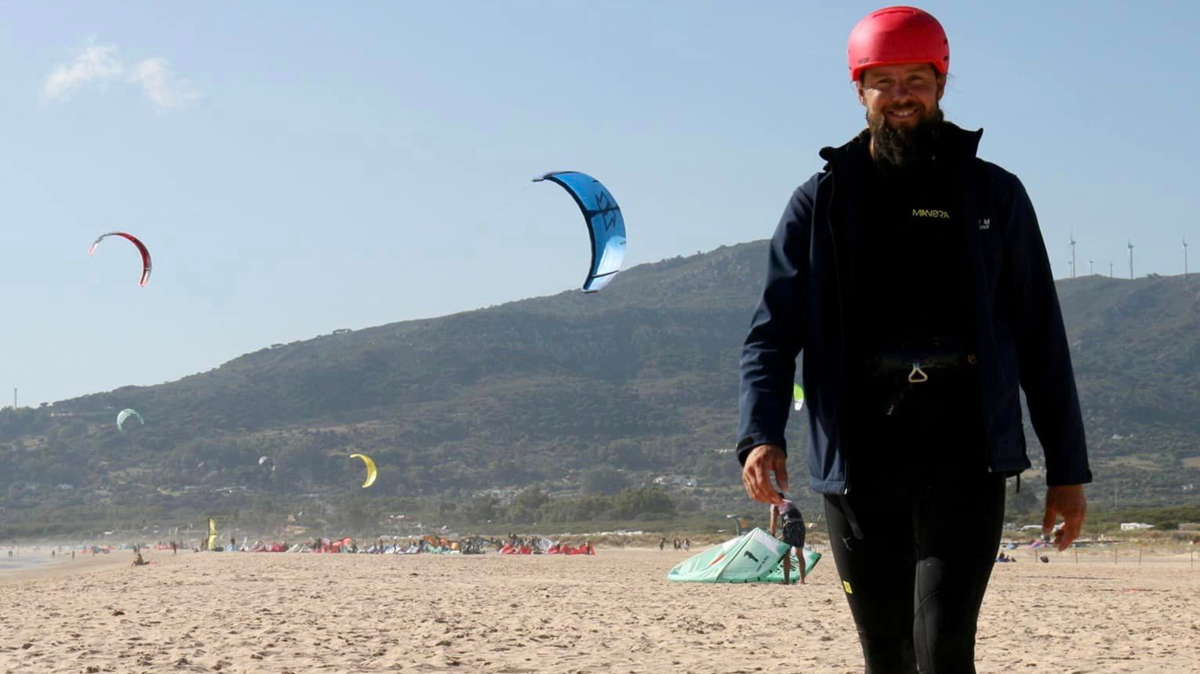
(140, 246)
(372, 473)
(123, 415)
(754, 557)
(604, 222)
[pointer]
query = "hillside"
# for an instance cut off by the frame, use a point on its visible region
(641, 377)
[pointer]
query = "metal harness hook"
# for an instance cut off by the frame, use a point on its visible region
(917, 376)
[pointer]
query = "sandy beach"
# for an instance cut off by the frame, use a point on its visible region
(246, 612)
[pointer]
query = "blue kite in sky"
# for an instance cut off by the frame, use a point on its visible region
(604, 221)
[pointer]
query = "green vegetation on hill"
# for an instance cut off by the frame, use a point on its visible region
(640, 380)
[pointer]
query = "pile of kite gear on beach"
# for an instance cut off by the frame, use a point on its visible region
(753, 557)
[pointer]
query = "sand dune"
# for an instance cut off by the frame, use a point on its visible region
(612, 613)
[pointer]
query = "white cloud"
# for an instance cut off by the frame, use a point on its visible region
(96, 63)
(101, 63)
(160, 86)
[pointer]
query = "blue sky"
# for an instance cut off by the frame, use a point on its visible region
(300, 167)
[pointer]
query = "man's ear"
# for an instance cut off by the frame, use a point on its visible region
(941, 86)
(862, 98)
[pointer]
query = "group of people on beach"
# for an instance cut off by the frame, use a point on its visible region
(677, 543)
(13, 552)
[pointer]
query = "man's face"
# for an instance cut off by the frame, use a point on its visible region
(902, 111)
(901, 96)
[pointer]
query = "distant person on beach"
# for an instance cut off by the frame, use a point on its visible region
(174, 548)
(912, 279)
(662, 542)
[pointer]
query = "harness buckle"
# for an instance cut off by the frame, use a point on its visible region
(917, 376)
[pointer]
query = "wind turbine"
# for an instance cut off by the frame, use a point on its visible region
(1091, 269)
(1072, 253)
(1129, 244)
(1110, 273)
(1185, 268)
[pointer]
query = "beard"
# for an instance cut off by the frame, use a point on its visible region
(904, 148)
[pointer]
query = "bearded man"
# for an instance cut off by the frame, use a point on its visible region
(912, 278)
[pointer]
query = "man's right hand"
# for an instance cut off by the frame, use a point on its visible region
(756, 474)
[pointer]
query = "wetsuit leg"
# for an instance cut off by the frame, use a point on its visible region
(959, 523)
(877, 572)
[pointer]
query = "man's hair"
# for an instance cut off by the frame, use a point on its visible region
(862, 77)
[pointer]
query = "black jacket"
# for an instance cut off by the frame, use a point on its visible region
(1020, 337)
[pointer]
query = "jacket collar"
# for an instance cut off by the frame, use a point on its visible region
(962, 144)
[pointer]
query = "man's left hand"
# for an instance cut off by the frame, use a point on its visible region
(1068, 501)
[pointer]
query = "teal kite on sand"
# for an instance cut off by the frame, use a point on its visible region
(754, 557)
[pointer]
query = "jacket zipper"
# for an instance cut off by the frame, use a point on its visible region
(970, 215)
(837, 270)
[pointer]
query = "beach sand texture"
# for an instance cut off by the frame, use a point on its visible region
(616, 612)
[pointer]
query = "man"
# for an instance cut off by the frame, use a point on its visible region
(912, 277)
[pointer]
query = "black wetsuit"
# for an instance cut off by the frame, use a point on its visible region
(916, 536)
(916, 573)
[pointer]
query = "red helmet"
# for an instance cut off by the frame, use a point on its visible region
(897, 35)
